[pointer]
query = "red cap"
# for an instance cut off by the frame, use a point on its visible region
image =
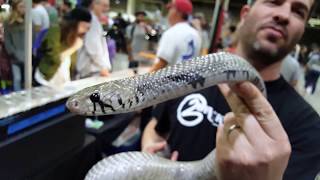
(184, 6)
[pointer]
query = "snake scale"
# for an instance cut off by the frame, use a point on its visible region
(135, 93)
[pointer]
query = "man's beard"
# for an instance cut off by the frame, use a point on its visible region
(257, 52)
(261, 56)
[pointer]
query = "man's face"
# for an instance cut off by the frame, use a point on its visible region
(140, 18)
(101, 7)
(172, 13)
(271, 28)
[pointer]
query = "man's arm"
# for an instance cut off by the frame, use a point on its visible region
(161, 63)
(152, 142)
(129, 50)
(128, 38)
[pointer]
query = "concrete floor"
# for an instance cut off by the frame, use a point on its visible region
(121, 62)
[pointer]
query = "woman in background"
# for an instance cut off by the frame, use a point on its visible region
(14, 41)
(59, 44)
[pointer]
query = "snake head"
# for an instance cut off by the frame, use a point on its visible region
(102, 99)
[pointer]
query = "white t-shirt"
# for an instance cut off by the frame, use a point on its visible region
(178, 43)
(40, 17)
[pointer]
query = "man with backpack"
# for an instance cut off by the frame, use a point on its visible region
(135, 37)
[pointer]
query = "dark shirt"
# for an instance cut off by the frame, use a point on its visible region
(192, 122)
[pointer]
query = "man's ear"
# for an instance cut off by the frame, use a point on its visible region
(244, 11)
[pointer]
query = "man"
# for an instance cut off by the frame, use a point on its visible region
(136, 36)
(181, 41)
(93, 57)
(290, 70)
(40, 17)
(256, 138)
(52, 12)
(65, 7)
(312, 70)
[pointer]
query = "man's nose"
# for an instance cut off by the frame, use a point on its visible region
(282, 14)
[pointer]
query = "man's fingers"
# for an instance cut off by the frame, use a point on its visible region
(156, 147)
(235, 103)
(259, 106)
(174, 156)
(248, 125)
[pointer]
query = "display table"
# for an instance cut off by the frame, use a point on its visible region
(29, 152)
(73, 165)
(15, 108)
(41, 139)
(25, 100)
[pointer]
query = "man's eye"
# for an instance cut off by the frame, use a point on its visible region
(273, 2)
(299, 13)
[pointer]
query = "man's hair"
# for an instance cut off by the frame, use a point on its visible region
(312, 10)
(67, 3)
(38, 1)
(185, 17)
(137, 13)
(86, 3)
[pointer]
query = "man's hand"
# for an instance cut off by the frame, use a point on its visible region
(251, 144)
(158, 147)
(104, 72)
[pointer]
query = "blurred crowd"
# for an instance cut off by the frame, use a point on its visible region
(74, 41)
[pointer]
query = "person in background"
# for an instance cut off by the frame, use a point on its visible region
(14, 36)
(117, 32)
(136, 36)
(312, 69)
(65, 7)
(276, 137)
(181, 41)
(290, 70)
(199, 22)
(303, 55)
(230, 41)
(5, 66)
(40, 17)
(93, 57)
(58, 46)
(52, 12)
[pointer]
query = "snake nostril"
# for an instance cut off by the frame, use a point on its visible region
(75, 103)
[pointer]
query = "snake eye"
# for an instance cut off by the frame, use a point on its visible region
(95, 97)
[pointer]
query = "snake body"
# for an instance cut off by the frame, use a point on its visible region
(138, 92)
(144, 166)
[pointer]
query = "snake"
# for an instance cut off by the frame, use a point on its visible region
(137, 92)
